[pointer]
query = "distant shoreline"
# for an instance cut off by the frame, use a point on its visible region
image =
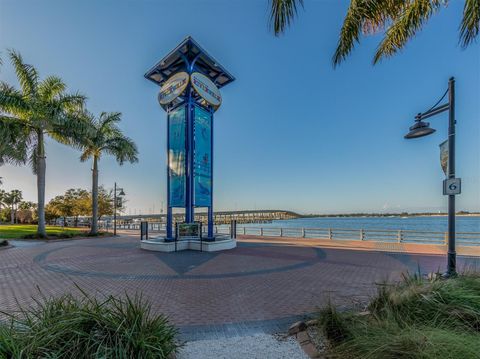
(390, 215)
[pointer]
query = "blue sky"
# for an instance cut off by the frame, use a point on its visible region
(292, 132)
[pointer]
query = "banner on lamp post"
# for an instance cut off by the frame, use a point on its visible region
(444, 156)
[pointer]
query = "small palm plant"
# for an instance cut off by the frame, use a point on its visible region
(28, 115)
(105, 137)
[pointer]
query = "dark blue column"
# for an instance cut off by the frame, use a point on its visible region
(189, 200)
(210, 222)
(169, 223)
(169, 209)
(210, 209)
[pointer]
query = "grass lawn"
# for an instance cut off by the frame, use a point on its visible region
(417, 318)
(28, 230)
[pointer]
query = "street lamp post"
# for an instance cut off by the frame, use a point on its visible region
(121, 194)
(451, 184)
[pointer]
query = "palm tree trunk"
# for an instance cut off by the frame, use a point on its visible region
(41, 169)
(94, 229)
(12, 215)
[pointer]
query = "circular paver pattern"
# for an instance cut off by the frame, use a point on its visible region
(247, 260)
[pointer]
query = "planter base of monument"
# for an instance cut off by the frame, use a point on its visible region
(161, 244)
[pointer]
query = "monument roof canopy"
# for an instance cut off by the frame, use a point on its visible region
(177, 60)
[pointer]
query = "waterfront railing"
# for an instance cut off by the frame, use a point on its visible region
(338, 234)
(348, 234)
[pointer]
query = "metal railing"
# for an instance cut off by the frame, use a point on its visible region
(157, 227)
(377, 235)
(337, 234)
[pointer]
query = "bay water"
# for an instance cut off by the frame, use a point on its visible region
(418, 223)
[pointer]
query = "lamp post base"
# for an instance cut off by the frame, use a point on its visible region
(448, 275)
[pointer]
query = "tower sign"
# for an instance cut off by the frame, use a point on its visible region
(190, 81)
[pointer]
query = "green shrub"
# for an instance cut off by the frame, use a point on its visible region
(68, 327)
(10, 346)
(99, 234)
(59, 235)
(334, 324)
(415, 318)
(439, 303)
(389, 341)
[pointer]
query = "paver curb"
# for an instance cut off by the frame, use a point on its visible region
(6, 247)
(303, 338)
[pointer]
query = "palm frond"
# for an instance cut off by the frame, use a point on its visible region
(70, 128)
(33, 159)
(15, 141)
(87, 153)
(90, 127)
(282, 14)
(27, 74)
(122, 148)
(380, 13)
(365, 17)
(405, 26)
(51, 87)
(470, 26)
(12, 100)
(350, 32)
(108, 118)
(69, 102)
(107, 137)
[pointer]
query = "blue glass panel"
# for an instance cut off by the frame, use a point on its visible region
(203, 158)
(176, 157)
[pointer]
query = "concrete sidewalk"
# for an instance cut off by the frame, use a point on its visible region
(413, 248)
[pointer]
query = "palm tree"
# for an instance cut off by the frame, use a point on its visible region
(8, 200)
(106, 138)
(399, 19)
(2, 198)
(2, 194)
(12, 199)
(38, 109)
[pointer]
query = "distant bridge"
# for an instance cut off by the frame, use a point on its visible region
(224, 217)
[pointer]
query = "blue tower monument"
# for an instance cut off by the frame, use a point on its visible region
(190, 81)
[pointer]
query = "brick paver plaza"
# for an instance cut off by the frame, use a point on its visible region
(254, 284)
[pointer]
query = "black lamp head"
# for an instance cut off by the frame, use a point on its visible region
(419, 129)
(121, 193)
